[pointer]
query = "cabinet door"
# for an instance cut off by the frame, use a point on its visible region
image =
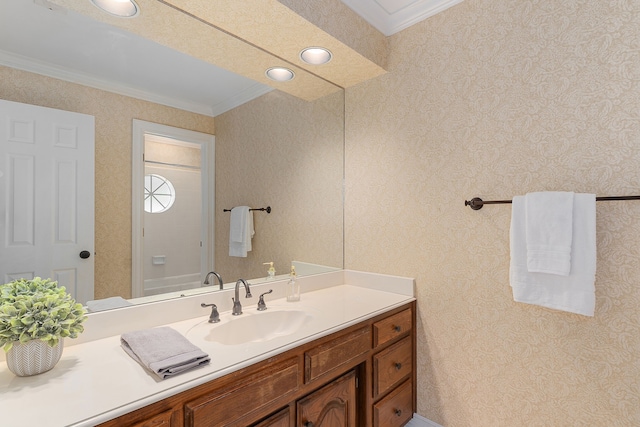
(279, 419)
(334, 405)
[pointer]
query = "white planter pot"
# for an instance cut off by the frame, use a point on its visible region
(33, 357)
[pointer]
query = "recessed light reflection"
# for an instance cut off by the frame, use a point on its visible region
(315, 55)
(280, 74)
(120, 8)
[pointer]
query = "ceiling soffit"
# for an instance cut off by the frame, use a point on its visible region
(171, 27)
(337, 19)
(273, 27)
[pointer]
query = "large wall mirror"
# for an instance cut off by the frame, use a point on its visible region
(274, 145)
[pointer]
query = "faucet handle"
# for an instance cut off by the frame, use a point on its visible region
(237, 307)
(215, 316)
(261, 305)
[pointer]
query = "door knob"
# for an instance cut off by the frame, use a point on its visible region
(85, 254)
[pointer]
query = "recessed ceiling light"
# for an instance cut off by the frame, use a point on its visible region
(315, 55)
(120, 8)
(280, 74)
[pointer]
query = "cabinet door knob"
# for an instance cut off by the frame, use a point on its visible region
(398, 412)
(308, 424)
(398, 366)
(397, 328)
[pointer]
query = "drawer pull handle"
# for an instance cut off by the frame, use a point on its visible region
(398, 412)
(397, 328)
(398, 366)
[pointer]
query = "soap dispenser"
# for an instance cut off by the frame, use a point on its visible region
(293, 287)
(271, 272)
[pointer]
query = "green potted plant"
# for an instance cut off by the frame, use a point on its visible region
(35, 317)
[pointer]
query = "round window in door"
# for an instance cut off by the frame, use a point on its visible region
(159, 193)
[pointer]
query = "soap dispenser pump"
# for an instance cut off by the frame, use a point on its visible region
(271, 272)
(293, 287)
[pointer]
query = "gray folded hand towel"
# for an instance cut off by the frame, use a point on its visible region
(164, 351)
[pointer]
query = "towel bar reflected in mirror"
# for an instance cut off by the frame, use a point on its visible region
(477, 203)
(267, 209)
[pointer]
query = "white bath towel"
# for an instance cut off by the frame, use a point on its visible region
(574, 293)
(549, 230)
(240, 231)
(163, 351)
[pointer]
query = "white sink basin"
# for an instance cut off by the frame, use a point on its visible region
(254, 326)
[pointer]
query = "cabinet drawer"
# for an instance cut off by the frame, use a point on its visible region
(334, 353)
(160, 420)
(224, 406)
(391, 327)
(395, 409)
(391, 366)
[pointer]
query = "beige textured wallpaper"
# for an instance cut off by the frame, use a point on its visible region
(495, 98)
(283, 152)
(114, 115)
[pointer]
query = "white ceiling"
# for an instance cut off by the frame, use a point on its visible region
(391, 16)
(39, 36)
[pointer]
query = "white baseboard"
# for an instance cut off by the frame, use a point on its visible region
(419, 421)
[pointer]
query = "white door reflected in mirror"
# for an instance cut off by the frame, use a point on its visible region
(171, 214)
(49, 189)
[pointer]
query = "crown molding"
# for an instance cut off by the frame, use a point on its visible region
(390, 23)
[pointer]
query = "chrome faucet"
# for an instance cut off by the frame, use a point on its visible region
(237, 307)
(206, 279)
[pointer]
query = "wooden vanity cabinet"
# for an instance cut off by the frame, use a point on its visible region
(281, 418)
(333, 405)
(396, 409)
(161, 420)
(254, 391)
(324, 358)
(391, 366)
(361, 376)
(392, 327)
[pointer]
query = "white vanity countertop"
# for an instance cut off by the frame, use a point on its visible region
(97, 381)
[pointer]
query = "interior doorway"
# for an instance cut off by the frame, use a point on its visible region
(172, 219)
